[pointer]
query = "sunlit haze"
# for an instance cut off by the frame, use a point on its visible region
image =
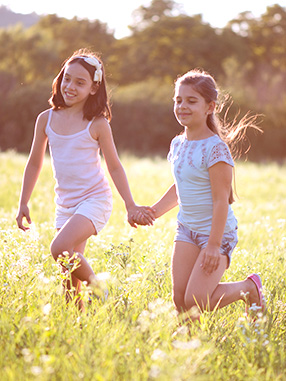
(118, 14)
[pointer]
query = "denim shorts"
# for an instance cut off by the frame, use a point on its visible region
(229, 240)
(96, 210)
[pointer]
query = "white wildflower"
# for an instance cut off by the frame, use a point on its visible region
(103, 277)
(36, 370)
(192, 344)
(154, 371)
(47, 309)
(158, 354)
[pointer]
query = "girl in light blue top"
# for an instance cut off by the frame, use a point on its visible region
(202, 167)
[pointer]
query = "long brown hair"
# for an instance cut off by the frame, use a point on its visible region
(96, 105)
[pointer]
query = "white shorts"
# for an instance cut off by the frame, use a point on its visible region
(96, 210)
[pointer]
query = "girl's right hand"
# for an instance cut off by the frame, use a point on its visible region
(211, 258)
(23, 212)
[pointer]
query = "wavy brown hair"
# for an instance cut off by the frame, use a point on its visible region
(231, 133)
(96, 105)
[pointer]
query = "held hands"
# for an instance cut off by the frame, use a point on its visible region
(23, 212)
(140, 215)
(211, 258)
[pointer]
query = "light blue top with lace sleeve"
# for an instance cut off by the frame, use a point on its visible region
(190, 161)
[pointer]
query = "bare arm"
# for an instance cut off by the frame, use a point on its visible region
(167, 202)
(104, 135)
(220, 178)
(32, 170)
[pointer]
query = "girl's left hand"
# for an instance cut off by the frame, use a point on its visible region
(211, 258)
(143, 215)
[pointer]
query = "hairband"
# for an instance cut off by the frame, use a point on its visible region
(94, 62)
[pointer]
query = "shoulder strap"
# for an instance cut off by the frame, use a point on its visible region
(50, 117)
(89, 124)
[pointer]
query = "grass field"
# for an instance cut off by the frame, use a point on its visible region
(135, 334)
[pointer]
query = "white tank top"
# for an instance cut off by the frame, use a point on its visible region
(76, 166)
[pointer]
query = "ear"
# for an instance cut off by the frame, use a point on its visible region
(94, 88)
(211, 107)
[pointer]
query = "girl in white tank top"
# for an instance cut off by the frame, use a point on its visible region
(76, 128)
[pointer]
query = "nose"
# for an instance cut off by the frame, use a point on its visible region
(70, 85)
(182, 104)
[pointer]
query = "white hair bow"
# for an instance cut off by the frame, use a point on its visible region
(94, 62)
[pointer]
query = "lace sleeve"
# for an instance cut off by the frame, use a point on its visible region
(220, 152)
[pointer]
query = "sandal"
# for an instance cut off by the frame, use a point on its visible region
(257, 281)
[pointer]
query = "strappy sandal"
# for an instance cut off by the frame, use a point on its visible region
(258, 283)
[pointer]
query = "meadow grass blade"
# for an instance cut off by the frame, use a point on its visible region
(135, 333)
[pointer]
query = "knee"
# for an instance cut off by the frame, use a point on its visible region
(178, 300)
(199, 301)
(54, 250)
(57, 248)
(190, 301)
(196, 300)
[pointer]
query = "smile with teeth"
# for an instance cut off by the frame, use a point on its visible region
(69, 95)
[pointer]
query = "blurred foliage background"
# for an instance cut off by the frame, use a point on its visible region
(247, 58)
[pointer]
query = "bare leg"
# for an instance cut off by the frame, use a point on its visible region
(204, 289)
(193, 287)
(72, 238)
(73, 283)
(183, 260)
(234, 291)
(209, 293)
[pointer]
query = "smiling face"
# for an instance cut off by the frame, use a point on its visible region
(76, 85)
(190, 108)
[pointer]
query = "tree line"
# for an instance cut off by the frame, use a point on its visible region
(247, 58)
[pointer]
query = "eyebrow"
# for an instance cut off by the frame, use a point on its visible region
(78, 78)
(191, 97)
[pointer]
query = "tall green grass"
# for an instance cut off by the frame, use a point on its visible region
(134, 334)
